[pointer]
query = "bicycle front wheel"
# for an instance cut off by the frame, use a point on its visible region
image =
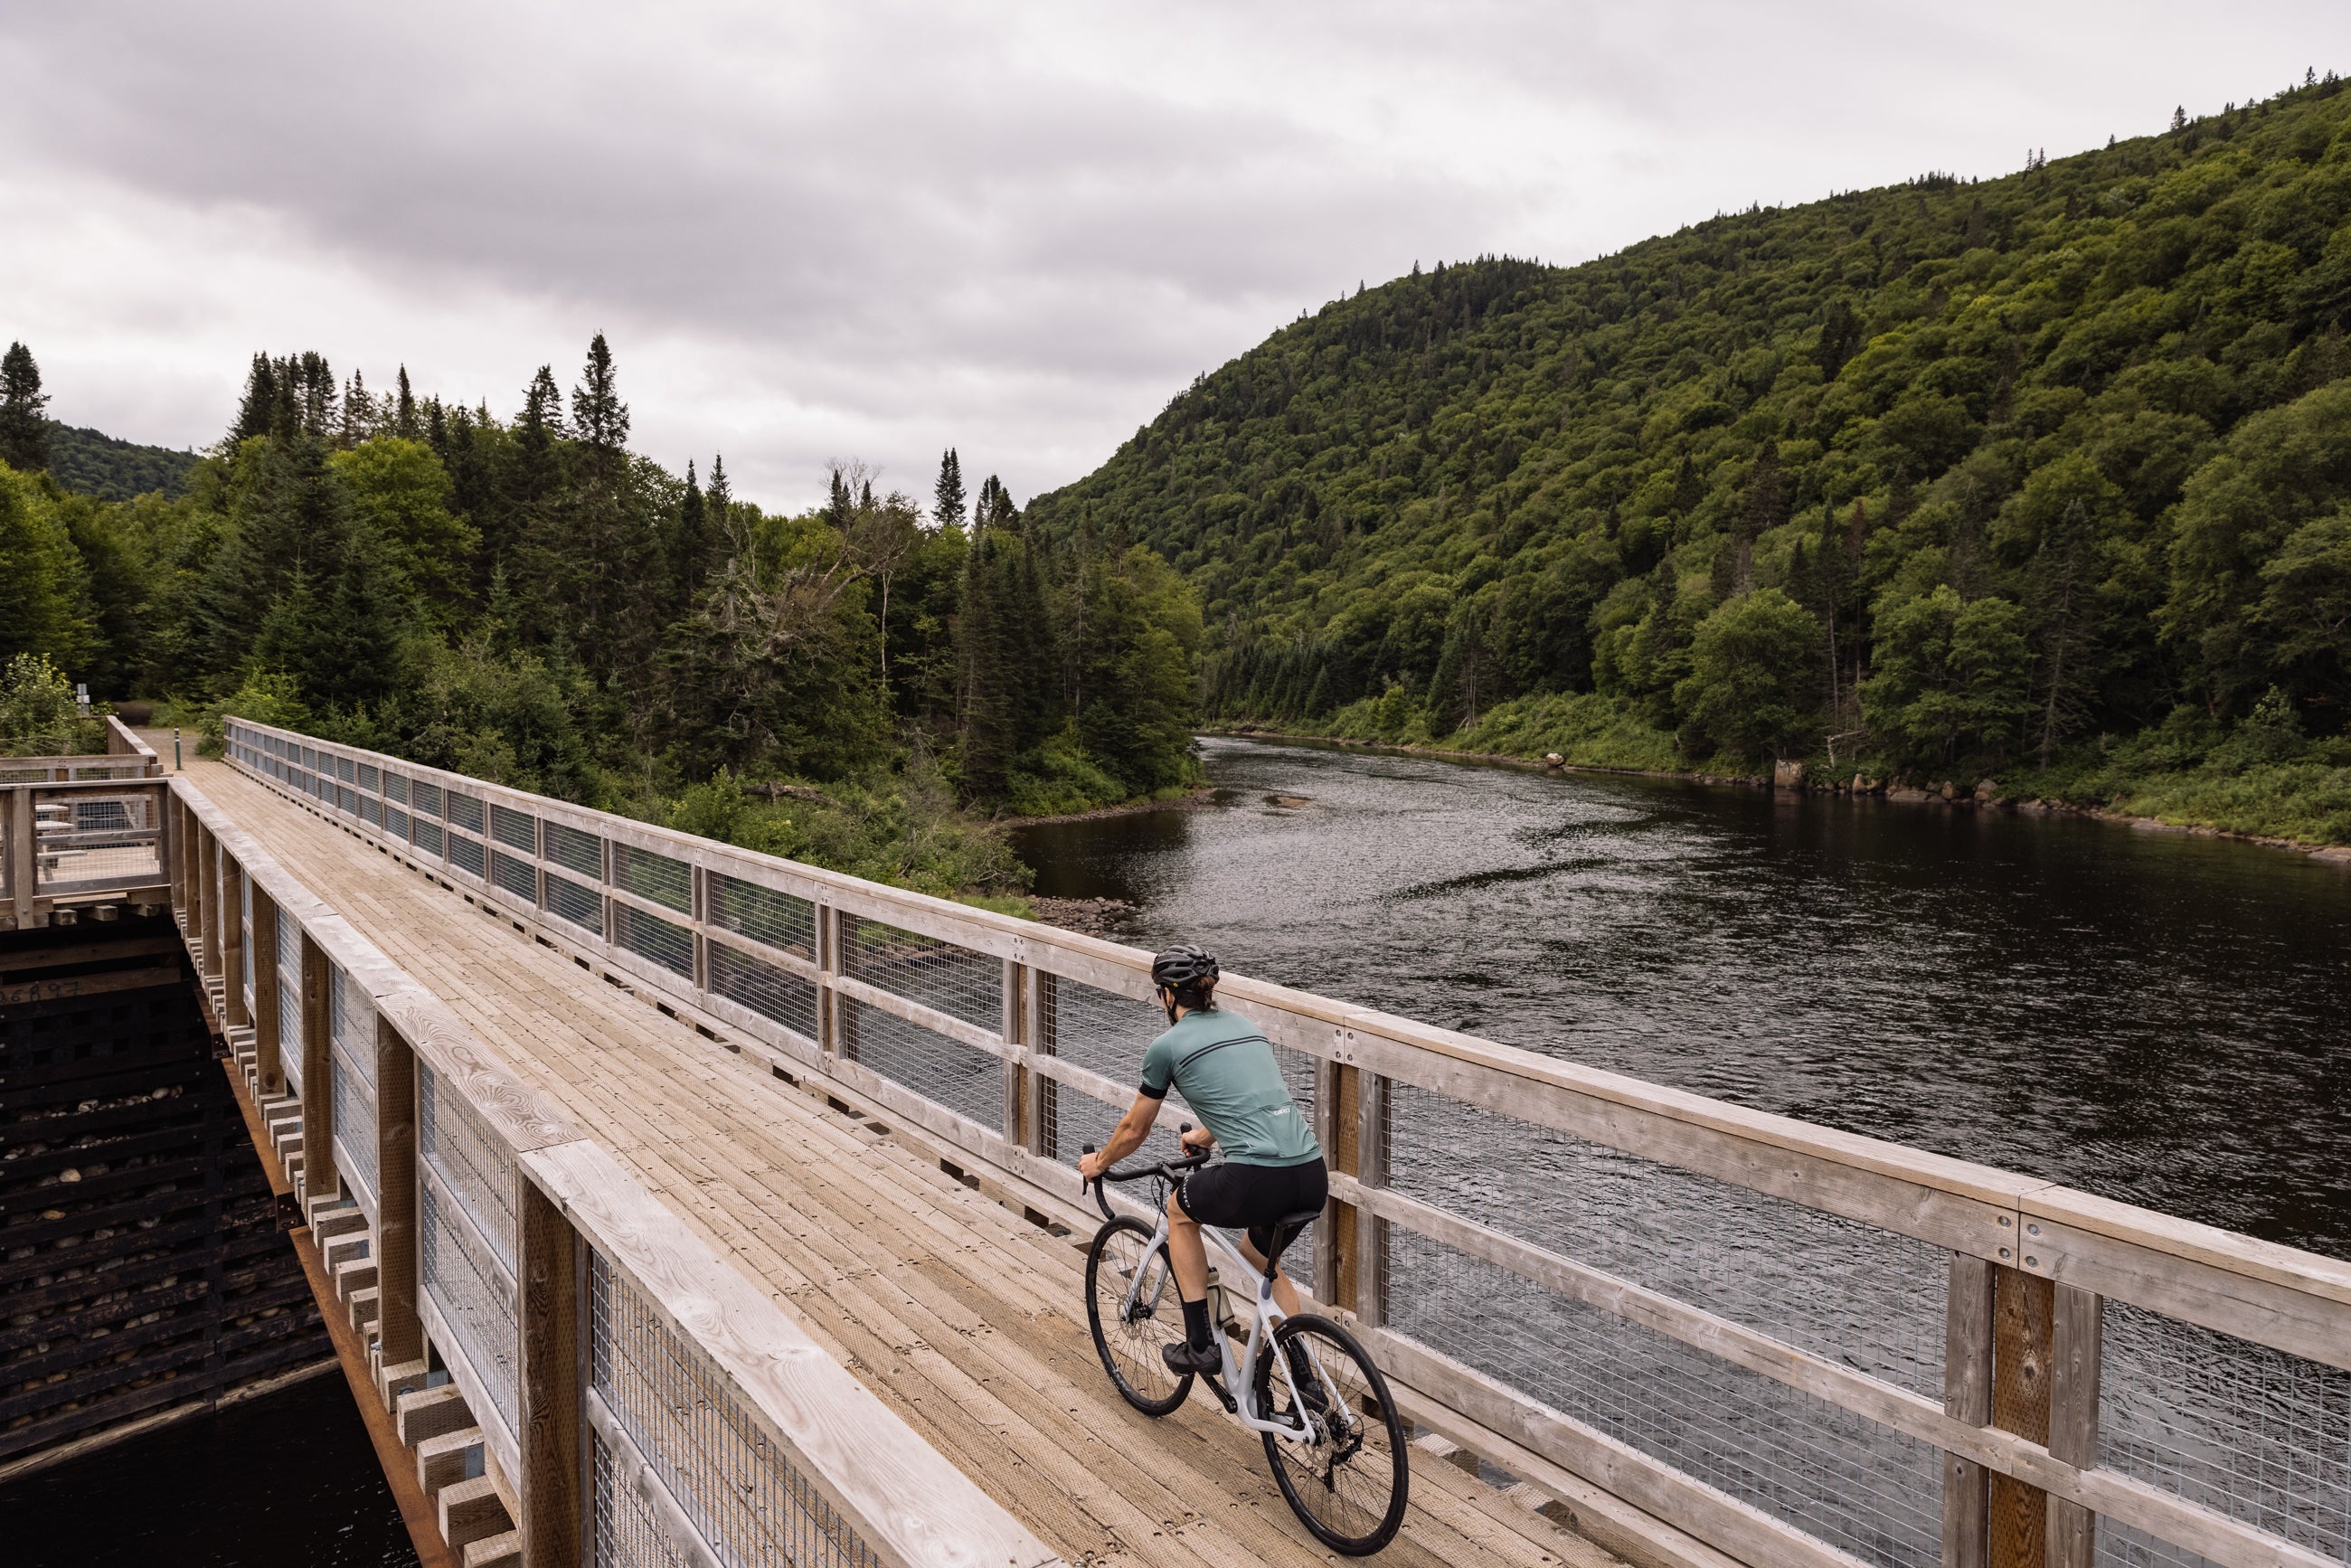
(1128, 1338)
(1348, 1481)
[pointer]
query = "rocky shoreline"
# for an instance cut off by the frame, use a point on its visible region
(1792, 776)
(1111, 919)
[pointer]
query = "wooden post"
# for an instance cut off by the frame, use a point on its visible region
(1039, 1112)
(548, 1381)
(24, 860)
(233, 917)
(2073, 1418)
(2024, 1309)
(1016, 1076)
(397, 1326)
(318, 1173)
(208, 873)
(700, 900)
(1338, 1112)
(268, 1030)
(828, 1021)
(1967, 1396)
(1371, 1237)
(176, 846)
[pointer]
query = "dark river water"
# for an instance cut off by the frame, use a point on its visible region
(2147, 1015)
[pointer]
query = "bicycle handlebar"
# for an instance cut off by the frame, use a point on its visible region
(1168, 1169)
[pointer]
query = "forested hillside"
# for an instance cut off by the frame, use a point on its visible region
(99, 464)
(2044, 476)
(527, 600)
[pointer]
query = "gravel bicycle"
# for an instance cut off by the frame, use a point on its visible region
(1331, 1433)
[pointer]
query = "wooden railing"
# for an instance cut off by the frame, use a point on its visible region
(1797, 1345)
(632, 1398)
(83, 835)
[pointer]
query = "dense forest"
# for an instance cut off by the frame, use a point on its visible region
(98, 464)
(527, 600)
(2043, 478)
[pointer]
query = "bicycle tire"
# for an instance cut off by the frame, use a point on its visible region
(1348, 1491)
(1131, 1353)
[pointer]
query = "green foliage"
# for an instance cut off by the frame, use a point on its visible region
(532, 603)
(1748, 674)
(38, 714)
(23, 428)
(2040, 459)
(45, 603)
(91, 464)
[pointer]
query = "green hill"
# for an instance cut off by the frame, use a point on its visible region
(2044, 475)
(99, 464)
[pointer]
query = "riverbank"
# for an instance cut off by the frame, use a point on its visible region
(1188, 799)
(2160, 803)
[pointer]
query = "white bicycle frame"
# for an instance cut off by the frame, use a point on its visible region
(1240, 1377)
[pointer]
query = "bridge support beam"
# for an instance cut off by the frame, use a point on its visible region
(400, 1332)
(268, 1028)
(319, 1175)
(551, 1270)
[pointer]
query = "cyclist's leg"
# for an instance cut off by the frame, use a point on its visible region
(1187, 1253)
(1285, 1294)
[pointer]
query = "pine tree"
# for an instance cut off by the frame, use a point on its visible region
(721, 504)
(259, 405)
(404, 411)
(947, 496)
(360, 417)
(689, 538)
(24, 426)
(598, 413)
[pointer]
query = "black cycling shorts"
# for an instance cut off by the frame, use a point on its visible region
(1235, 1196)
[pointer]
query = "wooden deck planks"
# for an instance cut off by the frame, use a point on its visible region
(960, 1315)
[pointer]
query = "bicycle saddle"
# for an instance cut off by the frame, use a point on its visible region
(1285, 1230)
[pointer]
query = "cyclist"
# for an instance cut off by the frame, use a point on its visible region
(1225, 1069)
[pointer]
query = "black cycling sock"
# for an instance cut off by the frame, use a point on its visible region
(1196, 1323)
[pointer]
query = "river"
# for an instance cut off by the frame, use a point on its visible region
(2148, 1016)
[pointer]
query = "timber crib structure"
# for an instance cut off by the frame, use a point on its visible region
(1699, 1333)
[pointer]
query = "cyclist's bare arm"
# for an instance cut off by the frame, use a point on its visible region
(1124, 1139)
(1128, 1135)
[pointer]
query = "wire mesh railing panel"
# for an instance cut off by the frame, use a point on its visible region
(1868, 1299)
(464, 812)
(626, 1533)
(370, 812)
(350, 1025)
(355, 1120)
(466, 1153)
(770, 992)
(427, 802)
(956, 981)
(395, 821)
(1074, 1119)
(664, 942)
(944, 1072)
(516, 830)
(475, 1299)
(583, 906)
(741, 1493)
(424, 835)
(777, 919)
(1099, 1030)
(84, 843)
(347, 800)
(466, 853)
(516, 876)
(289, 943)
(345, 770)
(662, 878)
(245, 925)
(1840, 1477)
(575, 850)
(368, 778)
(2243, 1429)
(395, 788)
(290, 1030)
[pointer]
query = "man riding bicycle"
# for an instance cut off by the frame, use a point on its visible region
(1226, 1071)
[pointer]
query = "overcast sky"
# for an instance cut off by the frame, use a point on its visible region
(870, 230)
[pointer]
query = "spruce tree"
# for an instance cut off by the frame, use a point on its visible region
(947, 495)
(598, 413)
(404, 410)
(359, 413)
(24, 427)
(719, 502)
(259, 405)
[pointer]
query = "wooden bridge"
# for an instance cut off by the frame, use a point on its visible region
(675, 1204)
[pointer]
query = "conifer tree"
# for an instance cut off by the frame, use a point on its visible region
(599, 417)
(24, 426)
(404, 410)
(259, 405)
(720, 502)
(947, 495)
(359, 413)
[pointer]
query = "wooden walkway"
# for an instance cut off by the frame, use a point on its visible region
(965, 1318)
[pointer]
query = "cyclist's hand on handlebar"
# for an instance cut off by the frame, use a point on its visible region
(1092, 1164)
(1198, 1140)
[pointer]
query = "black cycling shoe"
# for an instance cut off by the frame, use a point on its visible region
(1312, 1395)
(1183, 1357)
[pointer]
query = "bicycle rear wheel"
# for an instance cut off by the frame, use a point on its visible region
(1129, 1344)
(1350, 1483)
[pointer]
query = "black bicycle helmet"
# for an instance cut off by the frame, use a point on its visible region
(1184, 964)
